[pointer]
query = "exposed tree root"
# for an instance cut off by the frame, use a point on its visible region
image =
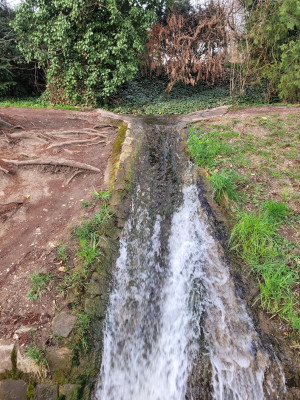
(26, 135)
(71, 142)
(55, 162)
(94, 143)
(4, 170)
(73, 176)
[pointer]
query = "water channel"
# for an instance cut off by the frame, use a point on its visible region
(176, 327)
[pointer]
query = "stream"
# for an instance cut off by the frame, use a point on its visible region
(176, 327)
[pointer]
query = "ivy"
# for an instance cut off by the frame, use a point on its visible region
(88, 47)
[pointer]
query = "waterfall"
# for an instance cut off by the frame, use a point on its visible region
(173, 296)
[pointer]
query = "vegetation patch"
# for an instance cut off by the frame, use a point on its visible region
(38, 284)
(248, 163)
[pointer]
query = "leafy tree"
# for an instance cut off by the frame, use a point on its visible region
(7, 49)
(88, 47)
(273, 42)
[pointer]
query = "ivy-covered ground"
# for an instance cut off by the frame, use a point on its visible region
(145, 96)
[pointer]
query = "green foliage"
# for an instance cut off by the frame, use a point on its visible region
(275, 211)
(33, 102)
(80, 342)
(88, 48)
(145, 96)
(89, 252)
(39, 283)
(206, 147)
(273, 37)
(103, 195)
(88, 229)
(38, 356)
(62, 252)
(252, 236)
(224, 182)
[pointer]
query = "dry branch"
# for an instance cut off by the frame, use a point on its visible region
(55, 162)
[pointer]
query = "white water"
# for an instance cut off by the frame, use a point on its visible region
(153, 322)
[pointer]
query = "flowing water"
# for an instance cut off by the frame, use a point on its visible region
(175, 327)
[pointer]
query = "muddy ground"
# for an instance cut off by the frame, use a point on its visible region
(40, 203)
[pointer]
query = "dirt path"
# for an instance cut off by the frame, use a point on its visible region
(39, 203)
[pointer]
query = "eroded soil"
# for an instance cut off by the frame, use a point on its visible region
(40, 203)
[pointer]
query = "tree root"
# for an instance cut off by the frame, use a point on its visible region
(26, 135)
(73, 176)
(55, 162)
(4, 170)
(71, 142)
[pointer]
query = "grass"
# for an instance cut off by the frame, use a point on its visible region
(224, 184)
(38, 285)
(245, 162)
(62, 252)
(103, 195)
(38, 356)
(80, 341)
(33, 102)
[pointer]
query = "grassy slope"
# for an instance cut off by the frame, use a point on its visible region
(253, 168)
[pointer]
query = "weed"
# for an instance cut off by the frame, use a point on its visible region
(81, 331)
(224, 183)
(275, 211)
(252, 236)
(88, 229)
(206, 147)
(88, 253)
(62, 252)
(103, 195)
(74, 280)
(39, 282)
(86, 204)
(38, 356)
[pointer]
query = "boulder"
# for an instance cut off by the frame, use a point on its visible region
(45, 391)
(63, 324)
(59, 358)
(6, 348)
(13, 390)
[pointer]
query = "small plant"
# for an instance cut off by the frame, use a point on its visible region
(39, 357)
(62, 252)
(206, 147)
(252, 236)
(81, 329)
(224, 183)
(103, 195)
(88, 229)
(86, 204)
(39, 283)
(88, 253)
(275, 211)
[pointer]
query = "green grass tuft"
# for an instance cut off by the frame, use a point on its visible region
(224, 182)
(39, 283)
(275, 211)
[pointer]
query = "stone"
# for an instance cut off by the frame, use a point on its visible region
(45, 391)
(13, 390)
(95, 306)
(6, 348)
(59, 358)
(69, 390)
(26, 364)
(63, 324)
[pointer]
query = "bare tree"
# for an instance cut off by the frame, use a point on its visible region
(190, 46)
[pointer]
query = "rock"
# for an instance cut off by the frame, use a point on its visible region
(45, 391)
(95, 306)
(26, 364)
(13, 390)
(63, 324)
(70, 391)
(6, 348)
(59, 358)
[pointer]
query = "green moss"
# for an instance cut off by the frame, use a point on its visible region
(30, 389)
(116, 151)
